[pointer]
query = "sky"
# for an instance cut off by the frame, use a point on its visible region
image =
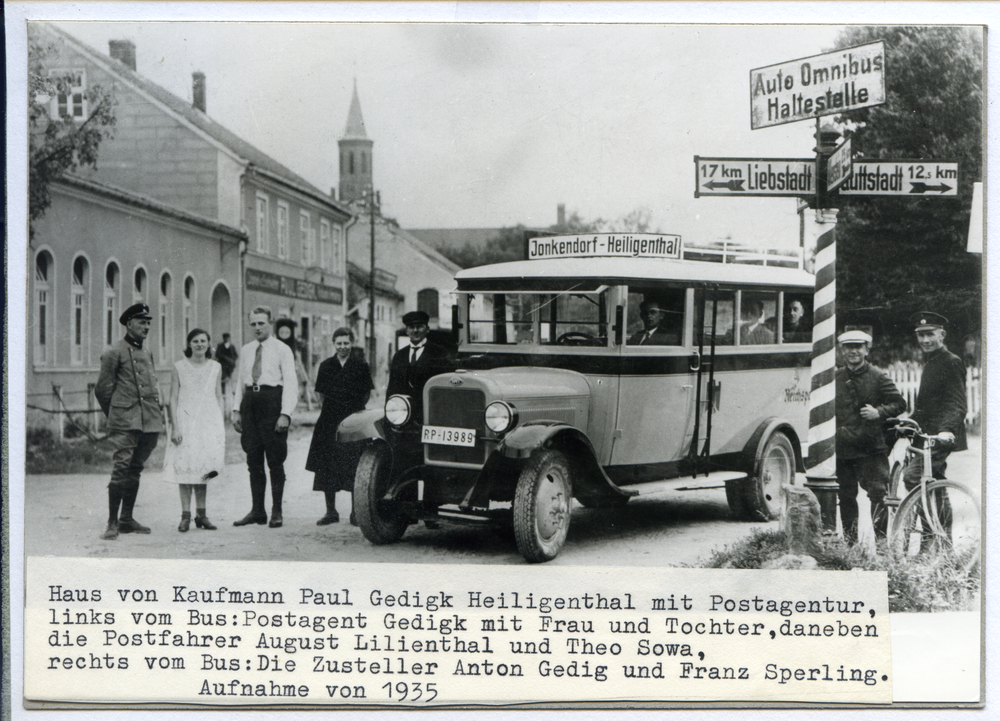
(489, 125)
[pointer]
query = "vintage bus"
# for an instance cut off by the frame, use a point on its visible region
(609, 367)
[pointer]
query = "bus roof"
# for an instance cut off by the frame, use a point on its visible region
(613, 271)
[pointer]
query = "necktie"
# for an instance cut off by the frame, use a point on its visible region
(413, 354)
(645, 338)
(257, 364)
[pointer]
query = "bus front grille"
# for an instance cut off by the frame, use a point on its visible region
(456, 408)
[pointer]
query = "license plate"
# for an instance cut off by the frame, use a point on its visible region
(444, 436)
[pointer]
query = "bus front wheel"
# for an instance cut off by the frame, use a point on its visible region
(379, 521)
(542, 506)
(773, 468)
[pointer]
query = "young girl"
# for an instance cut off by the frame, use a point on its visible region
(197, 427)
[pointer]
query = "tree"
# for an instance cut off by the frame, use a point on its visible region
(57, 146)
(896, 256)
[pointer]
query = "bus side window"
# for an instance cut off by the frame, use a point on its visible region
(797, 318)
(723, 324)
(758, 318)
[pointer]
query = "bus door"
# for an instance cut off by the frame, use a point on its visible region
(714, 331)
(656, 390)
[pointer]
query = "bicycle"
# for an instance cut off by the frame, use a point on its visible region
(936, 516)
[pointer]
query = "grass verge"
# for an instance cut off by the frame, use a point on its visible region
(917, 584)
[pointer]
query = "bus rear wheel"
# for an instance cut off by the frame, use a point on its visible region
(773, 468)
(542, 506)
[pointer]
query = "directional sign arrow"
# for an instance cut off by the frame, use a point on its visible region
(924, 188)
(734, 184)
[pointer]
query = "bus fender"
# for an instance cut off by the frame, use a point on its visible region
(589, 478)
(361, 426)
(755, 446)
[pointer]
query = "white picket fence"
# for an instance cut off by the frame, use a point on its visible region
(906, 376)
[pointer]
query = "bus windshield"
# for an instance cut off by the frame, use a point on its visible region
(563, 318)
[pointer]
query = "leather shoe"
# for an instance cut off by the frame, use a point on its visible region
(275, 520)
(111, 532)
(251, 518)
(354, 519)
(203, 522)
(185, 523)
(330, 517)
(130, 525)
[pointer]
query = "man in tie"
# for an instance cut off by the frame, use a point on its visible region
(653, 312)
(127, 392)
(265, 395)
(417, 363)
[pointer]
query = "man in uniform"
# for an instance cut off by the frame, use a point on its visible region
(417, 363)
(266, 394)
(941, 404)
(127, 392)
(865, 398)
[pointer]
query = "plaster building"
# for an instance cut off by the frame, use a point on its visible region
(197, 222)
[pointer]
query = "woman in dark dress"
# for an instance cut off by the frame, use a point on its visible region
(344, 383)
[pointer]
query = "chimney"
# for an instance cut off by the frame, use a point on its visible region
(561, 214)
(123, 51)
(198, 90)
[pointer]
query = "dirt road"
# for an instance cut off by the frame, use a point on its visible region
(65, 515)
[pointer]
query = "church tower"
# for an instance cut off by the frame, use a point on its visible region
(355, 154)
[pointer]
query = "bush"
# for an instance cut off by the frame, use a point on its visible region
(917, 584)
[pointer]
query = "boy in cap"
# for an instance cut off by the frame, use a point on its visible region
(417, 363)
(865, 398)
(941, 403)
(128, 394)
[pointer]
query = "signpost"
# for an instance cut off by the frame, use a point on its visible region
(754, 177)
(838, 167)
(818, 85)
(903, 177)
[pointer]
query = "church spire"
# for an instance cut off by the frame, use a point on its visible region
(355, 153)
(355, 128)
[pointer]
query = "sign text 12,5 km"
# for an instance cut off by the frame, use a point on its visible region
(818, 85)
(751, 177)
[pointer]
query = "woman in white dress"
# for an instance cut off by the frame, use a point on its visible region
(197, 429)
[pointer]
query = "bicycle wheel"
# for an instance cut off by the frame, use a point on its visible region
(951, 523)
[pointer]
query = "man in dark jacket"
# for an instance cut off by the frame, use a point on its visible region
(128, 395)
(417, 363)
(865, 398)
(941, 403)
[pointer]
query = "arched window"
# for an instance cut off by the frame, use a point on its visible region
(139, 286)
(364, 162)
(188, 304)
(165, 321)
(43, 336)
(352, 162)
(427, 301)
(112, 281)
(78, 317)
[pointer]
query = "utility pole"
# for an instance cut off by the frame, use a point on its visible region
(374, 203)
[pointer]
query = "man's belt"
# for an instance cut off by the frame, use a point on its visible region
(255, 388)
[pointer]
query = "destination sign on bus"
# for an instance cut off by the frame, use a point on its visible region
(605, 245)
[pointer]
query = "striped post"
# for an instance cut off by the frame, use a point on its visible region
(821, 464)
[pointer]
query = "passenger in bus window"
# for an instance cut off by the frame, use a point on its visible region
(661, 325)
(796, 328)
(752, 328)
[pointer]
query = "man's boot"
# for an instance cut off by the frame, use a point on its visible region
(127, 524)
(277, 491)
(114, 500)
(331, 510)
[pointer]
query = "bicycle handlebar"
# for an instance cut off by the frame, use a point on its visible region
(911, 429)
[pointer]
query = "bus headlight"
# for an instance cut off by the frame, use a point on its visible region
(500, 417)
(398, 410)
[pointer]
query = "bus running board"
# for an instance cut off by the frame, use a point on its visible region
(712, 480)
